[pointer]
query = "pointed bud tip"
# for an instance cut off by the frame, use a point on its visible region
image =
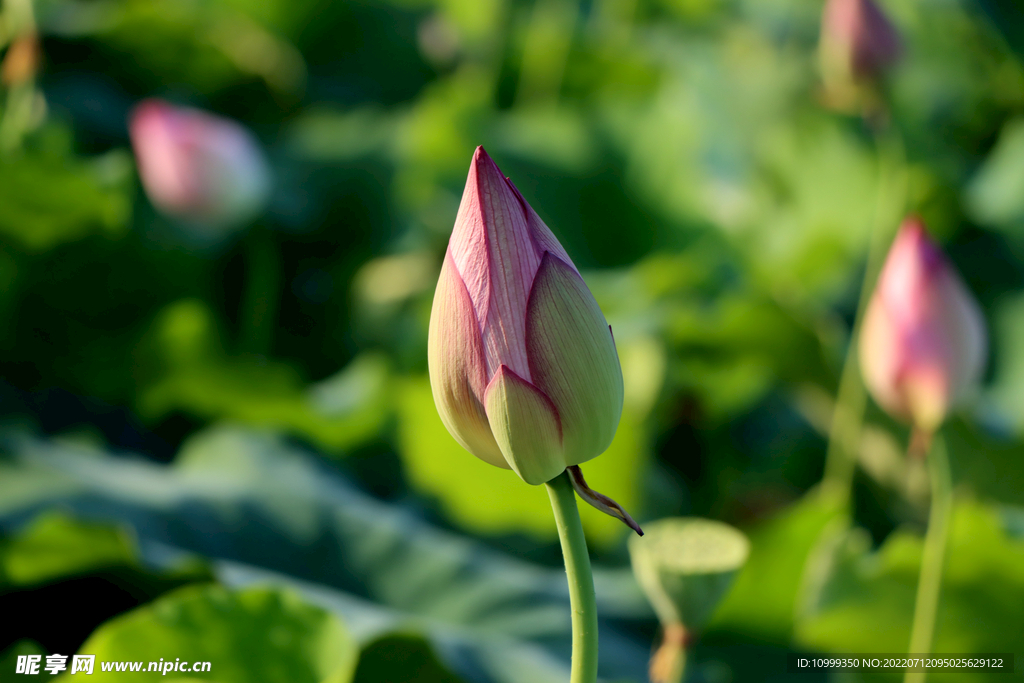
(912, 223)
(485, 170)
(913, 236)
(480, 156)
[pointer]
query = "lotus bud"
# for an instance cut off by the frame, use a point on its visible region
(923, 341)
(522, 363)
(685, 566)
(198, 167)
(858, 42)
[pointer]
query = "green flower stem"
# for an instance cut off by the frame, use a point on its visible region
(851, 400)
(929, 584)
(581, 581)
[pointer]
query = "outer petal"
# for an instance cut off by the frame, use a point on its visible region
(526, 426)
(573, 359)
(880, 359)
(497, 260)
(965, 323)
(455, 357)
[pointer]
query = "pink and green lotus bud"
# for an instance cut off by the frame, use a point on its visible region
(198, 167)
(522, 362)
(858, 42)
(923, 341)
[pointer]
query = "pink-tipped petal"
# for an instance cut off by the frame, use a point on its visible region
(497, 260)
(455, 358)
(526, 425)
(573, 359)
(881, 360)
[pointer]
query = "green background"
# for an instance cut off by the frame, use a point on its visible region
(223, 443)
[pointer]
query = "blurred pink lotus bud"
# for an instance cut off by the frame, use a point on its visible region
(198, 167)
(923, 341)
(857, 40)
(522, 362)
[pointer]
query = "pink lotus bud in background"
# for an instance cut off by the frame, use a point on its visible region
(522, 362)
(197, 166)
(923, 341)
(857, 40)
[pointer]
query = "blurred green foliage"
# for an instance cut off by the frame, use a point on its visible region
(54, 546)
(254, 633)
(863, 600)
(253, 409)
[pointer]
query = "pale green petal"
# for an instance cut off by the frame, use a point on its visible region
(573, 359)
(455, 357)
(526, 426)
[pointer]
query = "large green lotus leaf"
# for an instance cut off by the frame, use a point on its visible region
(54, 558)
(488, 499)
(54, 545)
(257, 635)
(860, 600)
(442, 649)
(244, 497)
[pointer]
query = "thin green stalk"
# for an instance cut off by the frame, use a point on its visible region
(581, 581)
(929, 584)
(851, 400)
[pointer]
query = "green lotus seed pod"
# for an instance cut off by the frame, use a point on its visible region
(685, 565)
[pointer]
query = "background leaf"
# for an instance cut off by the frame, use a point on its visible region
(251, 635)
